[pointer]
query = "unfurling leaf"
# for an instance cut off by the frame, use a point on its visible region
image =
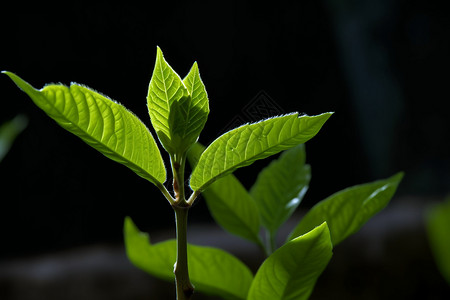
(178, 108)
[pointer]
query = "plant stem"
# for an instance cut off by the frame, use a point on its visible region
(185, 289)
(178, 163)
(270, 242)
(166, 193)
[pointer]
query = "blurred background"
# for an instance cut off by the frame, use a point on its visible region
(381, 66)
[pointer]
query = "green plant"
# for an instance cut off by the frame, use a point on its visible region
(178, 111)
(9, 132)
(438, 226)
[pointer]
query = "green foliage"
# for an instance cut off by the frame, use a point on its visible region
(102, 123)
(244, 145)
(438, 226)
(280, 187)
(291, 272)
(232, 207)
(178, 111)
(213, 271)
(9, 132)
(346, 211)
(178, 108)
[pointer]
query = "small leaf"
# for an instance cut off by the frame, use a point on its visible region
(291, 272)
(229, 203)
(242, 146)
(438, 227)
(212, 271)
(280, 187)
(195, 113)
(102, 123)
(9, 132)
(178, 109)
(348, 210)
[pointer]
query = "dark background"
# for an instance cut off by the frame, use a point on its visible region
(381, 66)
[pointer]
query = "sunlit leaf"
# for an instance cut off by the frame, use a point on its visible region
(178, 108)
(348, 210)
(280, 187)
(291, 272)
(212, 271)
(102, 123)
(230, 204)
(242, 146)
(195, 113)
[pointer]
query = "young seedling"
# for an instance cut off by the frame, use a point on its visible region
(178, 111)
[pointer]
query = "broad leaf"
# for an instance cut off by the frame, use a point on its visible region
(212, 271)
(280, 187)
(291, 272)
(242, 146)
(230, 204)
(438, 227)
(102, 123)
(178, 109)
(348, 210)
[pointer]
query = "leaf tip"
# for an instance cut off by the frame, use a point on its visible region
(9, 74)
(21, 84)
(158, 51)
(399, 175)
(128, 223)
(322, 227)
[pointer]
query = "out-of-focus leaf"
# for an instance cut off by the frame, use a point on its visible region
(291, 272)
(438, 225)
(230, 204)
(9, 131)
(211, 270)
(280, 187)
(348, 210)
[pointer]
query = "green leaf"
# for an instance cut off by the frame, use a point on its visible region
(9, 132)
(212, 271)
(229, 203)
(291, 272)
(438, 226)
(195, 113)
(102, 123)
(242, 146)
(348, 210)
(280, 187)
(178, 109)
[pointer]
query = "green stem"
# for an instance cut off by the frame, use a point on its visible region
(262, 247)
(166, 193)
(185, 289)
(178, 163)
(270, 242)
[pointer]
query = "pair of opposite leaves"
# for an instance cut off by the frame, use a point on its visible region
(178, 111)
